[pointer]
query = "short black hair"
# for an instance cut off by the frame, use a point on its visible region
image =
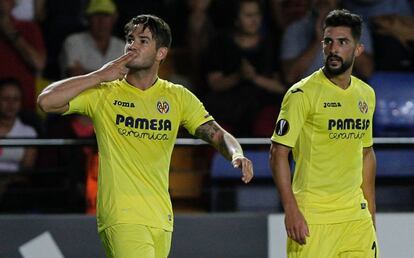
(160, 30)
(11, 81)
(344, 18)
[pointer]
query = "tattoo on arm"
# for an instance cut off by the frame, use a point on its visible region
(207, 131)
(224, 142)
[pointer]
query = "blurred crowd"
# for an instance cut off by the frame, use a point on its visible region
(238, 56)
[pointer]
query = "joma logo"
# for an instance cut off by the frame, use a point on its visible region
(123, 103)
(331, 104)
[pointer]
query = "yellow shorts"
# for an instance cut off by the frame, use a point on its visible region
(133, 240)
(353, 239)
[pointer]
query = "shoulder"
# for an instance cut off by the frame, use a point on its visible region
(117, 41)
(363, 86)
(307, 84)
(22, 130)
(178, 91)
(172, 87)
(77, 37)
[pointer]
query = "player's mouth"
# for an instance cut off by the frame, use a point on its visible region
(334, 60)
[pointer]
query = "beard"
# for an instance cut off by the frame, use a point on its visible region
(139, 66)
(345, 65)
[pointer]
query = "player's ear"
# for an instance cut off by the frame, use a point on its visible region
(162, 53)
(359, 49)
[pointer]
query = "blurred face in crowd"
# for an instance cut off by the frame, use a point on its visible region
(6, 6)
(250, 18)
(141, 41)
(10, 101)
(340, 49)
(101, 25)
(198, 5)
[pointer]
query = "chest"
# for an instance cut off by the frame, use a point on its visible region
(339, 111)
(156, 114)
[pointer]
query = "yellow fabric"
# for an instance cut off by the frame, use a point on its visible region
(40, 84)
(101, 6)
(327, 127)
(129, 240)
(136, 131)
(353, 239)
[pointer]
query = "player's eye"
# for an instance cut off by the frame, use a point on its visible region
(343, 41)
(129, 40)
(327, 41)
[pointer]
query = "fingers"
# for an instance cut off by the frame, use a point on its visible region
(123, 73)
(298, 234)
(125, 58)
(246, 167)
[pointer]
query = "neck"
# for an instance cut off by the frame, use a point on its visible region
(142, 79)
(341, 80)
(6, 125)
(247, 40)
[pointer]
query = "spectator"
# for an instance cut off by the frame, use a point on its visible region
(21, 50)
(199, 33)
(128, 9)
(285, 12)
(242, 72)
(82, 53)
(29, 10)
(72, 161)
(87, 51)
(61, 19)
(14, 159)
(369, 9)
(391, 23)
(193, 30)
(301, 44)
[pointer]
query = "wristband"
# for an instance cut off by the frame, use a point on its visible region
(236, 156)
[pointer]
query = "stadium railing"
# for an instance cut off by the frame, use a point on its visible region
(218, 187)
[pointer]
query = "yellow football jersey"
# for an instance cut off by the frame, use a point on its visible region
(136, 131)
(327, 127)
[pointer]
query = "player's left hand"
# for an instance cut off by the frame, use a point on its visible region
(246, 167)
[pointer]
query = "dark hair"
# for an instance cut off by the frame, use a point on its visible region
(11, 81)
(160, 30)
(344, 18)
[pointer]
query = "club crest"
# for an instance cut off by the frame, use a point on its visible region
(163, 106)
(363, 107)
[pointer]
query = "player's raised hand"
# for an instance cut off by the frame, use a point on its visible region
(246, 167)
(115, 69)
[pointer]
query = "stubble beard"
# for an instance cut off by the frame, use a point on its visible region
(345, 65)
(144, 66)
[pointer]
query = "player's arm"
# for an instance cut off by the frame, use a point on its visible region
(29, 158)
(55, 98)
(227, 145)
(296, 226)
(368, 179)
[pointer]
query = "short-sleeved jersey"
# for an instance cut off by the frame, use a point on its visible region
(327, 127)
(136, 131)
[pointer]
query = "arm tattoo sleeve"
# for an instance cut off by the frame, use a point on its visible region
(224, 142)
